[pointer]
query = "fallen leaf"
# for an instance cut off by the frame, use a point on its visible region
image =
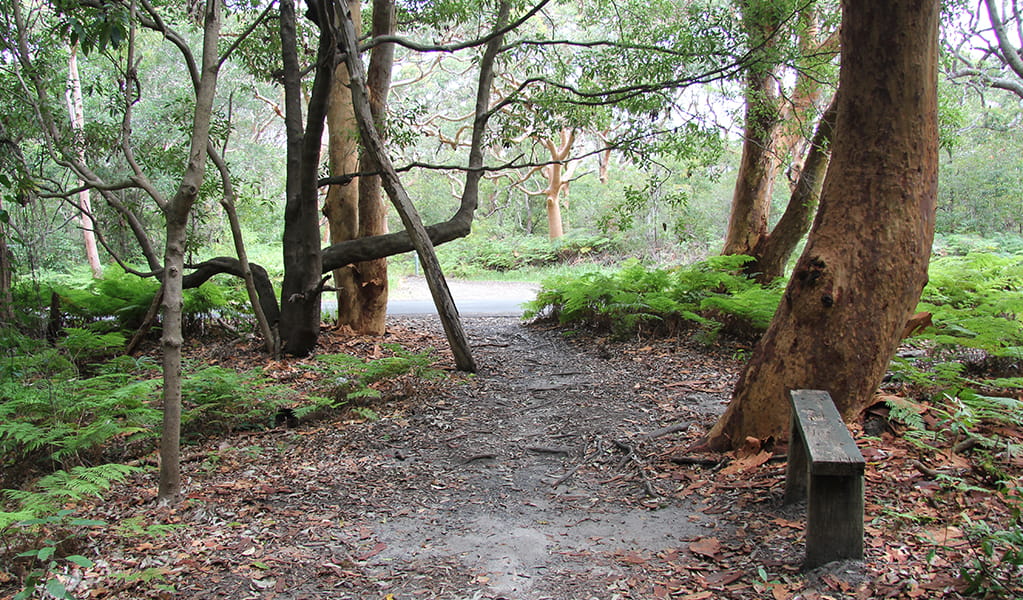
(708, 547)
(372, 551)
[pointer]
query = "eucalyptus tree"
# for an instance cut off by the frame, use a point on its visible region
(787, 85)
(865, 263)
(984, 46)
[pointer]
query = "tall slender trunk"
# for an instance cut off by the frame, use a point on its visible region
(176, 212)
(372, 275)
(76, 110)
(341, 206)
(6, 270)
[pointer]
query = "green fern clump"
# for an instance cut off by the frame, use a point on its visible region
(350, 378)
(66, 422)
(216, 399)
(707, 294)
(118, 295)
(976, 301)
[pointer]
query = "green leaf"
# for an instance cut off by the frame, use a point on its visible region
(55, 588)
(46, 552)
(81, 561)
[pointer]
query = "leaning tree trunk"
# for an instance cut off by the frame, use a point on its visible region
(758, 167)
(865, 263)
(772, 252)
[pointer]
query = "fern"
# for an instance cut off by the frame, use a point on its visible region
(60, 487)
(223, 400)
(353, 378)
(705, 294)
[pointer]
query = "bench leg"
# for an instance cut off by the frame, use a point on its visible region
(834, 520)
(796, 470)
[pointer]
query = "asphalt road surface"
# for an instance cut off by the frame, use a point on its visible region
(412, 297)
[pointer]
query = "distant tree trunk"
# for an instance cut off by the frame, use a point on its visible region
(558, 174)
(76, 109)
(772, 251)
(6, 269)
(371, 276)
(342, 204)
(176, 212)
(302, 286)
(865, 263)
(758, 167)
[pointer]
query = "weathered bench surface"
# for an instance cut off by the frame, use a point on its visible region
(830, 448)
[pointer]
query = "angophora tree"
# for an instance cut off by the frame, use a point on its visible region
(865, 263)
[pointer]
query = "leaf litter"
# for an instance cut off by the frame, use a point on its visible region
(559, 471)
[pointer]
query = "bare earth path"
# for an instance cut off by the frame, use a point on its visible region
(547, 475)
(452, 495)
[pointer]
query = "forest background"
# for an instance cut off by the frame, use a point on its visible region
(604, 151)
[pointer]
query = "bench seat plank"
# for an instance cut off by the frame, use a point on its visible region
(831, 449)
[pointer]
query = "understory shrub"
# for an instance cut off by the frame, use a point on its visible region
(710, 294)
(120, 301)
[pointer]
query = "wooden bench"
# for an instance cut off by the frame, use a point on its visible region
(825, 467)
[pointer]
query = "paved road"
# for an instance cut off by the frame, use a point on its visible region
(412, 297)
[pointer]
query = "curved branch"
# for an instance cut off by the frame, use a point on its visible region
(496, 34)
(1009, 54)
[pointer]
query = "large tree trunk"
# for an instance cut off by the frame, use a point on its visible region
(302, 285)
(371, 276)
(342, 204)
(865, 263)
(176, 213)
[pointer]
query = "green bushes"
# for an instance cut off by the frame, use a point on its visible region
(480, 253)
(709, 294)
(119, 300)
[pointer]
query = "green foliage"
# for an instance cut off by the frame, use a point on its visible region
(45, 559)
(352, 379)
(997, 553)
(707, 294)
(976, 301)
(221, 400)
(120, 300)
(118, 294)
(480, 253)
(48, 414)
(60, 487)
